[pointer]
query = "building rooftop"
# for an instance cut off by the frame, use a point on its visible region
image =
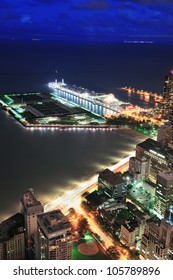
(131, 206)
(12, 226)
(53, 223)
(95, 199)
(28, 199)
(166, 175)
(155, 147)
(139, 214)
(107, 215)
(110, 177)
(131, 226)
(153, 227)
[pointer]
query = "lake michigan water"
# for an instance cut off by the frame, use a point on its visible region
(54, 161)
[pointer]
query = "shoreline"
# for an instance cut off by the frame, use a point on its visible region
(131, 133)
(127, 131)
(124, 131)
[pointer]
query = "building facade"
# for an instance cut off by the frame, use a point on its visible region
(54, 238)
(165, 135)
(154, 158)
(164, 192)
(167, 107)
(129, 232)
(138, 167)
(12, 238)
(112, 184)
(30, 208)
(132, 231)
(157, 241)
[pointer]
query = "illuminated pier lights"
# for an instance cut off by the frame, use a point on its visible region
(83, 99)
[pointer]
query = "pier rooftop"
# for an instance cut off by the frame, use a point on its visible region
(66, 105)
(46, 110)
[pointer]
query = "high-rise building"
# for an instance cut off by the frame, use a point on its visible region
(165, 135)
(157, 241)
(164, 192)
(54, 238)
(112, 184)
(154, 158)
(12, 238)
(30, 208)
(167, 106)
(132, 231)
(129, 232)
(138, 167)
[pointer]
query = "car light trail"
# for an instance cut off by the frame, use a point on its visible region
(72, 198)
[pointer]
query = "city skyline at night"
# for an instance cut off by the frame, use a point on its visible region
(86, 101)
(125, 202)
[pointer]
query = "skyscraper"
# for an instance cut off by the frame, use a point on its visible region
(164, 192)
(167, 107)
(165, 135)
(30, 208)
(112, 184)
(151, 158)
(12, 238)
(157, 241)
(54, 238)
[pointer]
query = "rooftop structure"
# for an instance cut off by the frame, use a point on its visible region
(94, 199)
(131, 226)
(53, 223)
(54, 238)
(110, 177)
(29, 203)
(168, 176)
(37, 110)
(129, 232)
(36, 105)
(155, 157)
(155, 147)
(112, 184)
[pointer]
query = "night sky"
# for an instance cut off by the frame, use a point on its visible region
(87, 20)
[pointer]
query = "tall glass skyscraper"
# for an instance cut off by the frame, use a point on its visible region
(168, 98)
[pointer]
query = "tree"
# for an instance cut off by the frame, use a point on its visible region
(83, 225)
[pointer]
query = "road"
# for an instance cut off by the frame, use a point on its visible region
(72, 197)
(94, 226)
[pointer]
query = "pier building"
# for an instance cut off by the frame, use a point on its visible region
(98, 104)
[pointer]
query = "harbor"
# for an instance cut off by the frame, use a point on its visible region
(65, 107)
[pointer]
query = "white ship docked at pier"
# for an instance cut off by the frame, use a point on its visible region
(97, 103)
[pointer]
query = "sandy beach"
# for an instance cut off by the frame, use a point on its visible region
(132, 133)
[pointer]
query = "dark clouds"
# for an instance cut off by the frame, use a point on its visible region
(152, 2)
(86, 19)
(93, 5)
